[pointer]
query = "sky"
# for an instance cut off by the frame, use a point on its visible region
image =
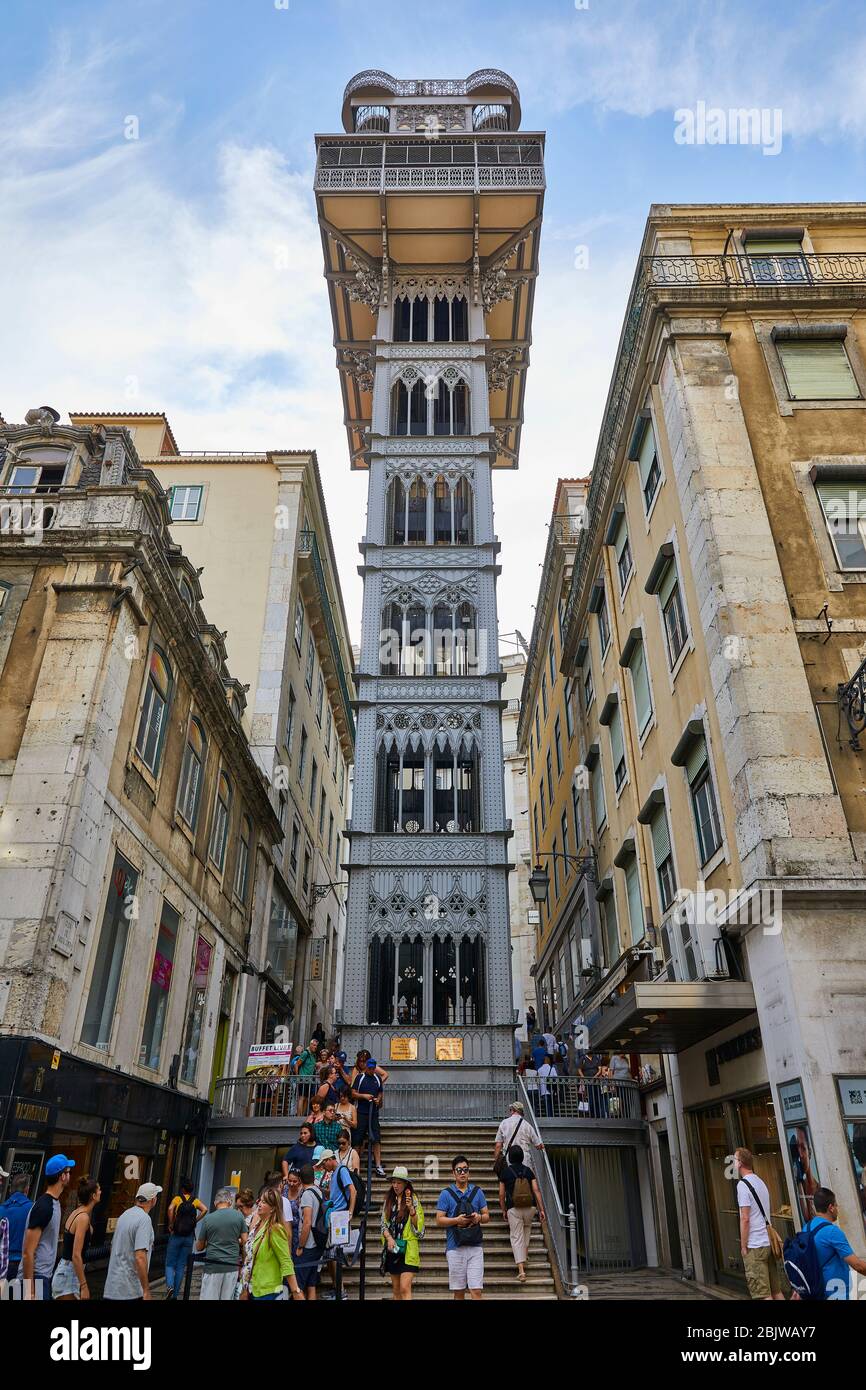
(158, 242)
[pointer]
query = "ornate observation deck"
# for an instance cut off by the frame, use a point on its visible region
(432, 191)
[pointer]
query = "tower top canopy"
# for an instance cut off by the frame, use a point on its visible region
(486, 86)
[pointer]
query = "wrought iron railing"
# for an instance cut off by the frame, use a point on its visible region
(760, 276)
(561, 1224)
(852, 703)
(444, 162)
(308, 545)
(583, 1098)
(250, 1098)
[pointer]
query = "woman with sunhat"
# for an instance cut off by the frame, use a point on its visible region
(402, 1229)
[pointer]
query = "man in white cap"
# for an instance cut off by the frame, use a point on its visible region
(515, 1129)
(131, 1246)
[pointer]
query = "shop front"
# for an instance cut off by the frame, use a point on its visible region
(116, 1128)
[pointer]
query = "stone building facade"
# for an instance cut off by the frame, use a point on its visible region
(715, 628)
(136, 827)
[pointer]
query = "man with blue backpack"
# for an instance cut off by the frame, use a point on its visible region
(462, 1210)
(818, 1258)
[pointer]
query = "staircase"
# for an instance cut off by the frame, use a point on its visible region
(414, 1145)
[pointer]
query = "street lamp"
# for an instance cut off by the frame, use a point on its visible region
(539, 882)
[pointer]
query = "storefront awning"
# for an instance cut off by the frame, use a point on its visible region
(660, 1016)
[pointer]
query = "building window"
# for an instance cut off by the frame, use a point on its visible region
(284, 809)
(306, 878)
(282, 947)
(544, 693)
(817, 369)
(342, 780)
(588, 688)
(337, 854)
(603, 624)
(575, 815)
(120, 908)
(635, 905)
(663, 857)
(537, 728)
(844, 508)
(598, 800)
(302, 760)
(704, 806)
(557, 740)
(44, 471)
(322, 809)
(299, 624)
(311, 660)
(196, 1010)
(314, 778)
(380, 980)
(617, 748)
(646, 456)
(290, 721)
(293, 852)
(191, 773)
(242, 867)
(185, 503)
(640, 686)
(551, 660)
(569, 712)
(563, 825)
(220, 827)
(555, 862)
(671, 602)
(549, 766)
(776, 260)
(160, 985)
(154, 711)
(537, 843)
(320, 699)
(618, 537)
(328, 731)
(444, 410)
(543, 805)
(330, 833)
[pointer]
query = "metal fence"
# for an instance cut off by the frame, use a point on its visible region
(244, 1097)
(576, 1098)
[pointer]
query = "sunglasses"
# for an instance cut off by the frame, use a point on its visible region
(463, 1168)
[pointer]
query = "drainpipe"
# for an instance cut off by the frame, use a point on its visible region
(672, 1080)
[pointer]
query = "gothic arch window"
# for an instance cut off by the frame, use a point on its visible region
(451, 408)
(444, 981)
(409, 409)
(411, 319)
(380, 983)
(402, 779)
(459, 980)
(451, 320)
(441, 514)
(390, 640)
(472, 1003)
(456, 791)
(455, 640)
(400, 790)
(410, 980)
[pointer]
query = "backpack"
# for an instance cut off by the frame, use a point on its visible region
(296, 1065)
(319, 1229)
(185, 1217)
(521, 1193)
(465, 1235)
(361, 1189)
(802, 1266)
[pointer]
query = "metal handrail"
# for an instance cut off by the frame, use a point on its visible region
(562, 1229)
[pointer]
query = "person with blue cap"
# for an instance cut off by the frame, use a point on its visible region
(367, 1091)
(42, 1232)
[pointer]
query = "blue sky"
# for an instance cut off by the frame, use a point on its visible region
(182, 270)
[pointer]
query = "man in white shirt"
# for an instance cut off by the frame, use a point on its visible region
(516, 1129)
(753, 1199)
(547, 1072)
(550, 1043)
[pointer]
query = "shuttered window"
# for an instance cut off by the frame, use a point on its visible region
(778, 261)
(640, 685)
(817, 369)
(663, 858)
(622, 550)
(648, 465)
(704, 806)
(617, 750)
(635, 906)
(844, 508)
(671, 601)
(599, 808)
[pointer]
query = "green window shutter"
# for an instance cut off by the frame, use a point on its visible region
(660, 836)
(640, 684)
(646, 453)
(843, 502)
(635, 906)
(768, 247)
(696, 760)
(668, 584)
(818, 370)
(621, 537)
(598, 796)
(617, 750)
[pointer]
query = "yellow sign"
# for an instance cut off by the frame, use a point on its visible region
(449, 1049)
(404, 1049)
(235, 1179)
(55, 1060)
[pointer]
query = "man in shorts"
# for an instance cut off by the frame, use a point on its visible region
(462, 1211)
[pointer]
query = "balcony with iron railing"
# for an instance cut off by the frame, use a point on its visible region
(308, 549)
(793, 280)
(406, 163)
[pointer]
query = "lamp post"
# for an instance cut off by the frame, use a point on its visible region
(539, 879)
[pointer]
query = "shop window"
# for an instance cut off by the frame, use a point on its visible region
(120, 908)
(196, 1011)
(160, 986)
